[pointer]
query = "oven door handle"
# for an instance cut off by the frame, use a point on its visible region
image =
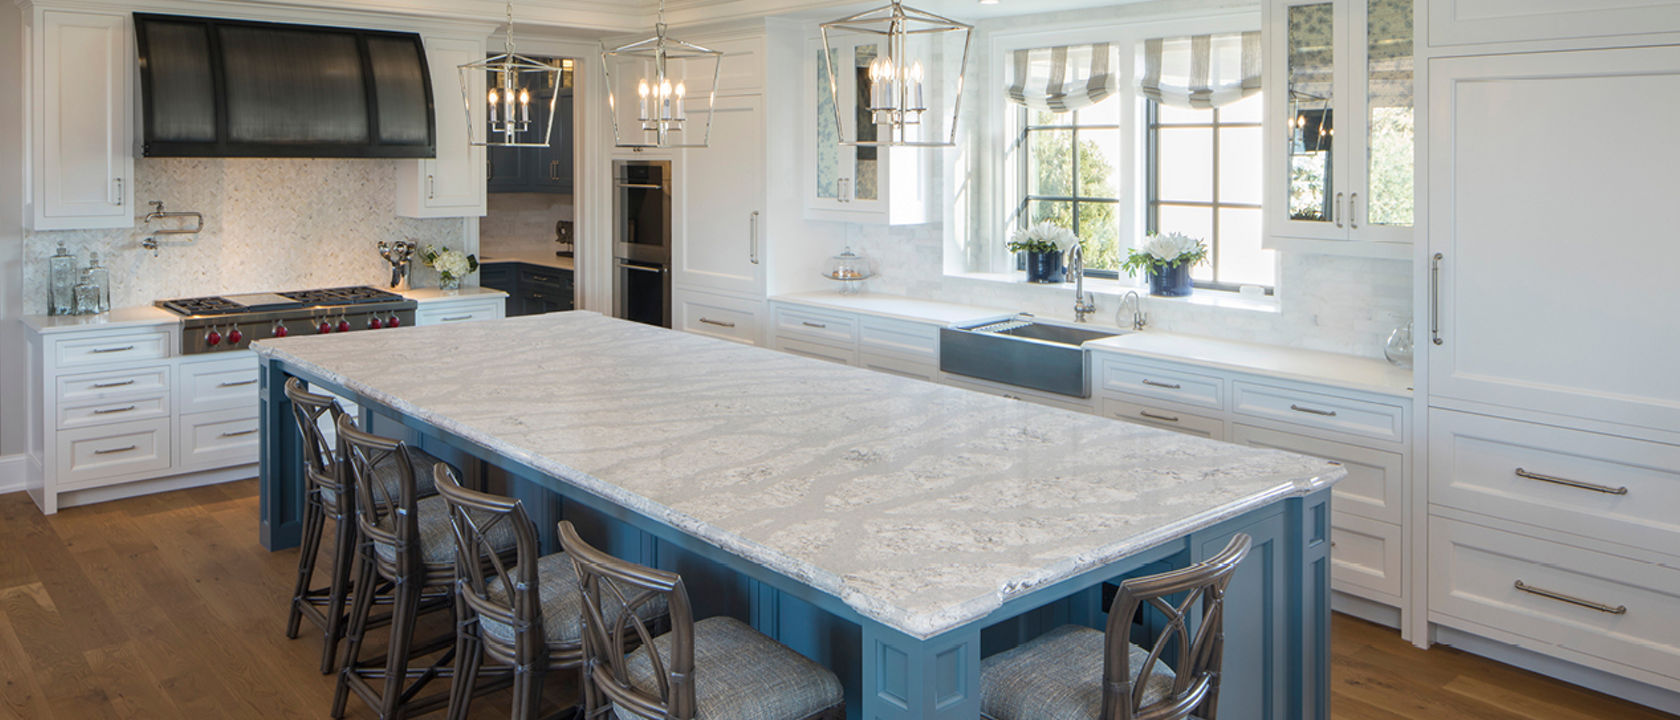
(641, 186)
(641, 268)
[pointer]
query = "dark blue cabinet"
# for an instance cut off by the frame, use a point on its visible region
(532, 289)
(537, 169)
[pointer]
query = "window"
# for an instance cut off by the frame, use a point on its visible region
(1204, 178)
(1071, 176)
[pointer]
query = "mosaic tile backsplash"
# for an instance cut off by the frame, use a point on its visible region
(269, 224)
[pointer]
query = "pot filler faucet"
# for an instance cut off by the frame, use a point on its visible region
(1083, 304)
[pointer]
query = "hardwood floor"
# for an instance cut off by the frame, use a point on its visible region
(165, 606)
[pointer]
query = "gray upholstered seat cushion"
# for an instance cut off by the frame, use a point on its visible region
(562, 603)
(437, 537)
(1058, 676)
(739, 674)
(424, 482)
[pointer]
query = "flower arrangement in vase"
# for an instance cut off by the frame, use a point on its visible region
(1167, 260)
(1044, 244)
(451, 265)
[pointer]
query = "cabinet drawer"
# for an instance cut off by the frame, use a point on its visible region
(112, 349)
(1355, 417)
(717, 316)
(105, 412)
(1365, 557)
(219, 384)
(543, 279)
(1622, 620)
(88, 456)
(898, 337)
(834, 329)
(1374, 480)
(217, 439)
(844, 356)
(1178, 421)
(1154, 381)
(927, 370)
(1600, 486)
(114, 383)
(491, 309)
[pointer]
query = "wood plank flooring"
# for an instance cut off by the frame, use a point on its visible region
(166, 607)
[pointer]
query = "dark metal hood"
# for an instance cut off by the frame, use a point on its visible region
(232, 88)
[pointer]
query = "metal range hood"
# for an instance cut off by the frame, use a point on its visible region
(232, 88)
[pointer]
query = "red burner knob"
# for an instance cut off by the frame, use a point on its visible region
(374, 323)
(326, 327)
(392, 321)
(281, 331)
(344, 326)
(213, 339)
(234, 336)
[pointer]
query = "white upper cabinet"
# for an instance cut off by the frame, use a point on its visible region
(1340, 109)
(453, 184)
(83, 96)
(1470, 22)
(849, 183)
(1551, 183)
(721, 201)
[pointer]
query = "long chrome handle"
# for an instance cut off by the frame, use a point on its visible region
(129, 381)
(844, 191)
(1169, 386)
(1571, 599)
(237, 383)
(124, 348)
(1553, 479)
(1435, 298)
(718, 323)
(641, 186)
(117, 199)
(554, 170)
(1312, 411)
(457, 318)
(239, 433)
(541, 279)
(536, 296)
(112, 411)
(752, 239)
(431, 187)
(1338, 210)
(641, 268)
(1353, 211)
(810, 324)
(109, 451)
(1153, 416)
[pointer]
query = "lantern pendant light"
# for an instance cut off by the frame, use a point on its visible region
(508, 103)
(663, 66)
(896, 95)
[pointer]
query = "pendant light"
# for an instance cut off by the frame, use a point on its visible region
(507, 105)
(662, 68)
(915, 46)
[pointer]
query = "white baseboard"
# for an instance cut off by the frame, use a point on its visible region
(158, 485)
(1631, 690)
(12, 473)
(1367, 610)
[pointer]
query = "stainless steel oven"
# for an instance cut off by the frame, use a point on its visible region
(642, 241)
(642, 292)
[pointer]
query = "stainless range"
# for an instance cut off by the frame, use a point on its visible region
(231, 322)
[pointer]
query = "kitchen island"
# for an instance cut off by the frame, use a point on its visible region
(894, 530)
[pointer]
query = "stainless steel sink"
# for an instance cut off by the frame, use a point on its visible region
(1024, 352)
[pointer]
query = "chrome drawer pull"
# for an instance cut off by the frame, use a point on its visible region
(1311, 411)
(1606, 489)
(110, 411)
(456, 318)
(124, 348)
(129, 381)
(818, 326)
(718, 323)
(239, 433)
(113, 450)
(1169, 386)
(1571, 599)
(1153, 416)
(237, 384)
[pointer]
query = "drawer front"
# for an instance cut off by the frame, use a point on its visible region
(898, 337)
(831, 328)
(1365, 557)
(1016, 393)
(429, 314)
(1147, 380)
(105, 412)
(544, 279)
(1374, 481)
(1355, 417)
(718, 317)
(149, 380)
(217, 439)
(220, 384)
(1142, 413)
(926, 370)
(819, 351)
(1611, 488)
(88, 457)
(1622, 619)
(112, 349)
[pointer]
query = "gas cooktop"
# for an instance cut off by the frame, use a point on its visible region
(265, 302)
(229, 322)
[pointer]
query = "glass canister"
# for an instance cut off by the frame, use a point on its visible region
(61, 282)
(87, 296)
(100, 278)
(849, 269)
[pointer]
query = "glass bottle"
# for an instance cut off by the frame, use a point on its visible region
(87, 296)
(61, 285)
(100, 279)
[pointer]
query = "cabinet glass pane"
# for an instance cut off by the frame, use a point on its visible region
(1312, 79)
(828, 131)
(868, 158)
(1389, 78)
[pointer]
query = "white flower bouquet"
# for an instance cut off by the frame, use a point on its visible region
(1043, 238)
(451, 265)
(1165, 252)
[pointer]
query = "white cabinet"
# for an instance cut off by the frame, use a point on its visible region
(453, 184)
(719, 316)
(721, 207)
(1552, 274)
(1470, 22)
(466, 308)
(82, 90)
(849, 183)
(1340, 158)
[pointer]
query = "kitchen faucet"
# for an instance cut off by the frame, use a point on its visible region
(1083, 304)
(1138, 318)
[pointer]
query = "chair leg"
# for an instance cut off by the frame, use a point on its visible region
(366, 579)
(403, 612)
(469, 656)
(527, 691)
(344, 557)
(313, 519)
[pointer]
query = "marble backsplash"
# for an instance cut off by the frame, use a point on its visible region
(523, 223)
(269, 224)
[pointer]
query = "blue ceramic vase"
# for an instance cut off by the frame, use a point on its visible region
(1045, 267)
(1171, 282)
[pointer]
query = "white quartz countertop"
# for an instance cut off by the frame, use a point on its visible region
(895, 306)
(426, 295)
(548, 259)
(921, 506)
(118, 318)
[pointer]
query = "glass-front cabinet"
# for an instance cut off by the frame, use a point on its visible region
(1342, 117)
(852, 182)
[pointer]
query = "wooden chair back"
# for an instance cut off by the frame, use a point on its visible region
(387, 495)
(321, 469)
(480, 565)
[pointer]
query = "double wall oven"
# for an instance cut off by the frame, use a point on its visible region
(642, 241)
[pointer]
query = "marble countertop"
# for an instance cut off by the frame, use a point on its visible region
(141, 316)
(426, 295)
(548, 260)
(921, 506)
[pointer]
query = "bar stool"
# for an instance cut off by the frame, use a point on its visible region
(324, 499)
(535, 628)
(714, 669)
(407, 542)
(1077, 672)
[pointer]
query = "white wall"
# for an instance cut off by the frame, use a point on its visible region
(11, 230)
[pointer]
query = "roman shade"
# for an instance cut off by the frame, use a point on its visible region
(1063, 79)
(1201, 71)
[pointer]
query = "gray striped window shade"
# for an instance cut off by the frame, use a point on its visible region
(1062, 79)
(1201, 71)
